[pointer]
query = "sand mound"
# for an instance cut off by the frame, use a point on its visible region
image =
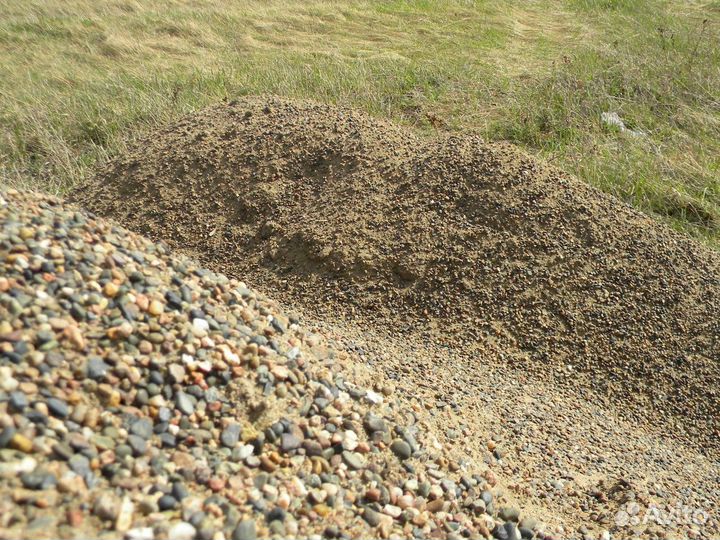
(464, 241)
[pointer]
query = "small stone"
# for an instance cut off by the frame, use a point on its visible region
(156, 308)
(140, 533)
(527, 534)
(6, 436)
(142, 428)
(18, 401)
(177, 372)
(350, 440)
(21, 442)
(7, 382)
(353, 460)
(318, 496)
(401, 449)
(63, 451)
(184, 403)
(276, 514)
(200, 327)
(111, 289)
(74, 517)
(181, 531)
(507, 531)
(96, 368)
(38, 479)
(179, 491)
(138, 444)
(374, 423)
(289, 442)
(509, 513)
(167, 502)
(245, 530)
(58, 408)
(106, 507)
(322, 510)
(435, 505)
(79, 464)
(230, 435)
(174, 301)
(243, 452)
(125, 515)
(312, 448)
(372, 517)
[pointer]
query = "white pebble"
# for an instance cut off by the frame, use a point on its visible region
(201, 325)
(141, 533)
(245, 451)
(7, 382)
(124, 519)
(13, 468)
(181, 531)
(350, 440)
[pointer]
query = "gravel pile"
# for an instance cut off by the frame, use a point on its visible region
(346, 216)
(142, 396)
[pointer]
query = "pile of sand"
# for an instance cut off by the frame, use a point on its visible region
(468, 243)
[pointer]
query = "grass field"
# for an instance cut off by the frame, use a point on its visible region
(80, 78)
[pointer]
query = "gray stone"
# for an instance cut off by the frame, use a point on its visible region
(184, 403)
(138, 444)
(374, 423)
(6, 435)
(106, 507)
(509, 513)
(401, 449)
(18, 401)
(353, 460)
(372, 517)
(79, 464)
(58, 407)
(143, 428)
(38, 479)
(230, 435)
(97, 368)
(167, 502)
(245, 530)
(63, 451)
(289, 442)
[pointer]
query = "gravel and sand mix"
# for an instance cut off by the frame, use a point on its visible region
(142, 396)
(466, 243)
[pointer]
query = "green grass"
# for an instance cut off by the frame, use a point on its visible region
(79, 79)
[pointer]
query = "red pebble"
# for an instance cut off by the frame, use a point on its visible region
(216, 484)
(74, 517)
